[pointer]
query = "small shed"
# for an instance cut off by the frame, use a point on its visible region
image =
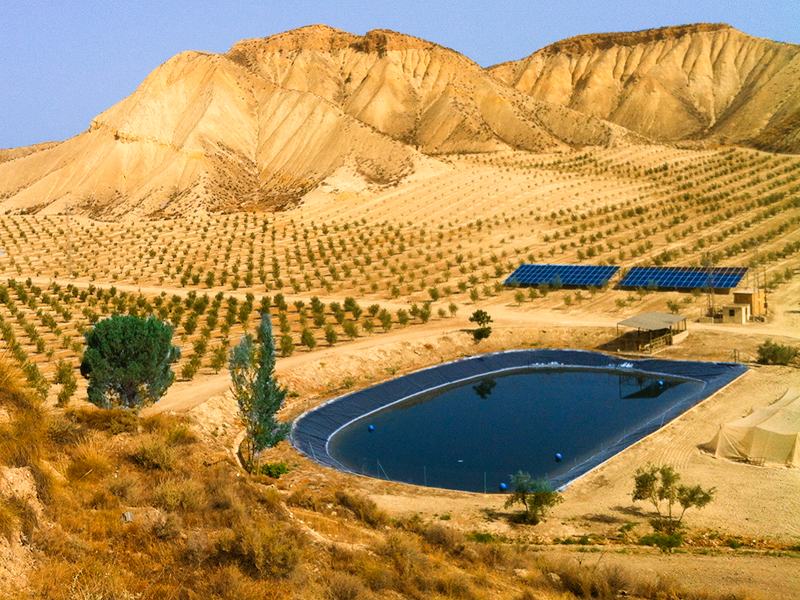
(736, 313)
(654, 331)
(757, 299)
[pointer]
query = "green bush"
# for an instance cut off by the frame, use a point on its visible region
(771, 353)
(663, 541)
(275, 470)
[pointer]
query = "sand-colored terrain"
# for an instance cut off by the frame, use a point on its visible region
(411, 183)
(706, 81)
(261, 126)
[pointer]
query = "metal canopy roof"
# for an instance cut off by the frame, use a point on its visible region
(653, 321)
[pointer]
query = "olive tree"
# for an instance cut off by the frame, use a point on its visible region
(659, 486)
(537, 495)
(482, 319)
(128, 361)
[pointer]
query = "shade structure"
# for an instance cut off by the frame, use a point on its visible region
(768, 435)
(653, 321)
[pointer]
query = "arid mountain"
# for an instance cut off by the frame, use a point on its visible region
(705, 81)
(260, 126)
(201, 133)
(416, 91)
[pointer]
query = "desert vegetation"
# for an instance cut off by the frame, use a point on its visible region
(190, 522)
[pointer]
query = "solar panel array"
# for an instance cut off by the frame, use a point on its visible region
(683, 278)
(565, 275)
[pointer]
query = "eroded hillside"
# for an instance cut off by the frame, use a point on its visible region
(705, 81)
(260, 126)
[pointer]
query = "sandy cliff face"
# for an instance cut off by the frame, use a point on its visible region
(414, 91)
(201, 133)
(689, 82)
(260, 126)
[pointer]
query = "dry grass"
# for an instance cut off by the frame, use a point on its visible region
(154, 453)
(113, 421)
(362, 507)
(264, 549)
(173, 494)
(90, 461)
(17, 516)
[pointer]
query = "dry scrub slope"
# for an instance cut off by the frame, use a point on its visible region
(704, 81)
(260, 126)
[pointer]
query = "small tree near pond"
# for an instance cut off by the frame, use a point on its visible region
(482, 319)
(537, 495)
(659, 486)
(252, 368)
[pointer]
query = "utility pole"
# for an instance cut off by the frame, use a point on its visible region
(710, 272)
(757, 288)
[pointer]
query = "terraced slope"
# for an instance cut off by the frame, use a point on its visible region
(704, 81)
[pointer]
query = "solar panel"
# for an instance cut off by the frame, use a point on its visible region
(563, 275)
(682, 278)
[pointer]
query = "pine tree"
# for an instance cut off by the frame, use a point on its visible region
(252, 368)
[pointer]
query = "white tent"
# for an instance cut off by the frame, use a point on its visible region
(767, 435)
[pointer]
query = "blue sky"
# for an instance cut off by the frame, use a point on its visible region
(62, 62)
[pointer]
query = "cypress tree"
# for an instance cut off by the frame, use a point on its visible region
(252, 368)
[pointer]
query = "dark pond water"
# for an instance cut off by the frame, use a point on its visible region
(474, 436)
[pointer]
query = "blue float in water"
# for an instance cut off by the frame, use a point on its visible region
(558, 457)
(371, 427)
(660, 384)
(503, 487)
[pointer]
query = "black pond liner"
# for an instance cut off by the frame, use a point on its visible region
(312, 431)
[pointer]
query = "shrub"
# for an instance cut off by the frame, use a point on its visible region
(771, 353)
(448, 539)
(265, 550)
(274, 470)
(179, 494)
(89, 462)
(663, 541)
(17, 515)
(363, 508)
(113, 421)
(343, 586)
(126, 488)
(154, 453)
